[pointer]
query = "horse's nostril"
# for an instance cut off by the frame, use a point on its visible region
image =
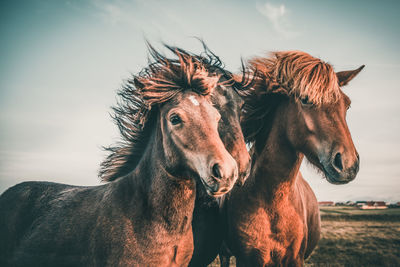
(216, 171)
(338, 162)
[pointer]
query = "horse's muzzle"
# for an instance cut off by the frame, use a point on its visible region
(336, 171)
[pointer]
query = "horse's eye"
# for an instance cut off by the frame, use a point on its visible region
(175, 119)
(305, 101)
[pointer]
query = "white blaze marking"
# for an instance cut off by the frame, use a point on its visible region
(194, 100)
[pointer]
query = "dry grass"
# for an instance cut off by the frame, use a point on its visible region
(352, 237)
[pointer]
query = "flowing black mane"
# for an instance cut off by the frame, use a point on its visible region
(163, 79)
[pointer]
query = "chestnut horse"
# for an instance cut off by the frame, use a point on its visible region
(143, 218)
(294, 109)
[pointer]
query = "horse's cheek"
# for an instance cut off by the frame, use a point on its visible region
(309, 122)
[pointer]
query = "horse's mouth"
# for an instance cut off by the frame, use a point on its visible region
(329, 172)
(333, 180)
(214, 194)
(333, 176)
(220, 192)
(216, 191)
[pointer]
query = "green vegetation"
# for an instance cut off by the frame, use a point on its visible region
(353, 237)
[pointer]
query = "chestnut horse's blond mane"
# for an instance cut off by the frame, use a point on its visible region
(300, 74)
(292, 73)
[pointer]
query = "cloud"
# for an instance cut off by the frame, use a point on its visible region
(278, 16)
(153, 18)
(116, 12)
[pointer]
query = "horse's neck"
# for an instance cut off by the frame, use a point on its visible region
(277, 165)
(164, 197)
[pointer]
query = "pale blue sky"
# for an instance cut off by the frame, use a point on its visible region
(61, 63)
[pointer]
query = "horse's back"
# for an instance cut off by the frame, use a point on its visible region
(24, 208)
(18, 210)
(23, 202)
(312, 214)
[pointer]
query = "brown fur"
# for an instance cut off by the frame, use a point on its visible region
(160, 81)
(142, 218)
(295, 108)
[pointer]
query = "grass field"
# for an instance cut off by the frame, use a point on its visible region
(353, 237)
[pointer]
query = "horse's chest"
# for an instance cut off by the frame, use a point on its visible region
(158, 249)
(273, 236)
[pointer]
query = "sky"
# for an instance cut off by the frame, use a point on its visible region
(62, 62)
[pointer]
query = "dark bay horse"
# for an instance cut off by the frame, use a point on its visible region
(295, 108)
(206, 219)
(170, 132)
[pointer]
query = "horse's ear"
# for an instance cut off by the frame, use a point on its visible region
(345, 77)
(138, 84)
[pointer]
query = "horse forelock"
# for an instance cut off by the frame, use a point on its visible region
(301, 75)
(296, 74)
(161, 81)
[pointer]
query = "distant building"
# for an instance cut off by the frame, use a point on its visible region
(326, 203)
(371, 205)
